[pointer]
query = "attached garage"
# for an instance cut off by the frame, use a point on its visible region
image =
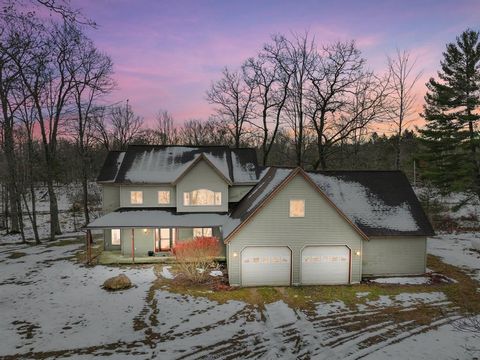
(325, 264)
(266, 265)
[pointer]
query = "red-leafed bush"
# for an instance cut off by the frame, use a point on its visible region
(195, 256)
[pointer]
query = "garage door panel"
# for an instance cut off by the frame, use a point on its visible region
(325, 265)
(265, 265)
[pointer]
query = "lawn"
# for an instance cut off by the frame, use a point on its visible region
(53, 307)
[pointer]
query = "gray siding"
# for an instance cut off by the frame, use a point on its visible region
(110, 198)
(150, 195)
(143, 242)
(202, 176)
(107, 238)
(394, 256)
(237, 192)
(273, 226)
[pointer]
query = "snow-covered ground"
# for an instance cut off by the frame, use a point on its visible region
(54, 307)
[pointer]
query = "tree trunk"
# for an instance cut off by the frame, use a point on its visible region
(85, 193)
(54, 220)
(473, 151)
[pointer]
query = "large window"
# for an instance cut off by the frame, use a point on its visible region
(197, 232)
(115, 236)
(136, 197)
(164, 197)
(202, 197)
(164, 239)
(297, 208)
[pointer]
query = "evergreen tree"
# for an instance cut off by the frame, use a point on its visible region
(450, 154)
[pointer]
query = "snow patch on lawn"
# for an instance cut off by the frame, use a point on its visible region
(324, 309)
(420, 280)
(216, 273)
(166, 272)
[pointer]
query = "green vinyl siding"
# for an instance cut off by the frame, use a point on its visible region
(202, 176)
(394, 256)
(237, 192)
(110, 198)
(272, 226)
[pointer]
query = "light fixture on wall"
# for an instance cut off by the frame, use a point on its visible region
(357, 252)
(235, 254)
(145, 231)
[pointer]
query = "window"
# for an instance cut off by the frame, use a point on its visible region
(202, 232)
(136, 197)
(115, 236)
(164, 197)
(164, 239)
(202, 197)
(297, 208)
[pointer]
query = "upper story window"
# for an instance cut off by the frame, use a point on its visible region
(136, 197)
(297, 208)
(164, 197)
(202, 197)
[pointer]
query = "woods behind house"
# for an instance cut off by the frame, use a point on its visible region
(298, 101)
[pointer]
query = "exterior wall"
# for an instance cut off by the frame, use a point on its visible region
(394, 256)
(272, 226)
(202, 176)
(110, 198)
(150, 195)
(107, 240)
(143, 242)
(237, 192)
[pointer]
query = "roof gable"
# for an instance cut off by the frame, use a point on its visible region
(164, 164)
(205, 158)
(272, 183)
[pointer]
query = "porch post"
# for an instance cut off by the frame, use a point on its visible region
(133, 246)
(88, 239)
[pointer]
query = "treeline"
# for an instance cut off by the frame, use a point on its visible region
(296, 101)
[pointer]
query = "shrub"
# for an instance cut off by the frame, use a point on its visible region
(195, 256)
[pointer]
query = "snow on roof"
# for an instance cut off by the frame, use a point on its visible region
(164, 164)
(142, 218)
(364, 207)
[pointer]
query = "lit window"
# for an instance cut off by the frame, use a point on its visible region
(136, 197)
(115, 236)
(297, 208)
(197, 232)
(164, 197)
(202, 197)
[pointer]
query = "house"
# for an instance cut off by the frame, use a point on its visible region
(278, 226)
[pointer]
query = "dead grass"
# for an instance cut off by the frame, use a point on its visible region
(16, 255)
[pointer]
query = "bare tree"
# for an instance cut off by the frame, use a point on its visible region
(165, 131)
(402, 96)
(233, 97)
(125, 125)
(91, 72)
(270, 84)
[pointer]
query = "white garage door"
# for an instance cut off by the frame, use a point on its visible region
(325, 265)
(266, 265)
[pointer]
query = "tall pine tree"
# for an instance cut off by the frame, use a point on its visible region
(450, 139)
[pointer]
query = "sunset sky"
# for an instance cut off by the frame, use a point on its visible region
(166, 53)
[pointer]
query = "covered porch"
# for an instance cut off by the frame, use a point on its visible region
(149, 235)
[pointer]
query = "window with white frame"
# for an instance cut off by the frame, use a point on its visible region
(202, 197)
(136, 197)
(297, 208)
(115, 236)
(197, 232)
(164, 197)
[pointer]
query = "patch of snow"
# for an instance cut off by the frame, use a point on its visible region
(362, 294)
(166, 273)
(403, 280)
(455, 249)
(216, 273)
(279, 314)
(363, 207)
(200, 271)
(243, 173)
(324, 309)
(475, 244)
(407, 299)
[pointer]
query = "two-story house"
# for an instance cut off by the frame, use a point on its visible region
(278, 226)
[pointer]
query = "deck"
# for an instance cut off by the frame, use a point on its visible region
(116, 257)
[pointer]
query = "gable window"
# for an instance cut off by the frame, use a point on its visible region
(164, 197)
(202, 232)
(202, 197)
(136, 197)
(297, 208)
(115, 236)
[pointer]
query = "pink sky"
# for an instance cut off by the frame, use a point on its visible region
(166, 53)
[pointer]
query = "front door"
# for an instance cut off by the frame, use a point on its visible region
(164, 239)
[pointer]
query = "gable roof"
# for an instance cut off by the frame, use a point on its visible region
(376, 203)
(164, 164)
(111, 166)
